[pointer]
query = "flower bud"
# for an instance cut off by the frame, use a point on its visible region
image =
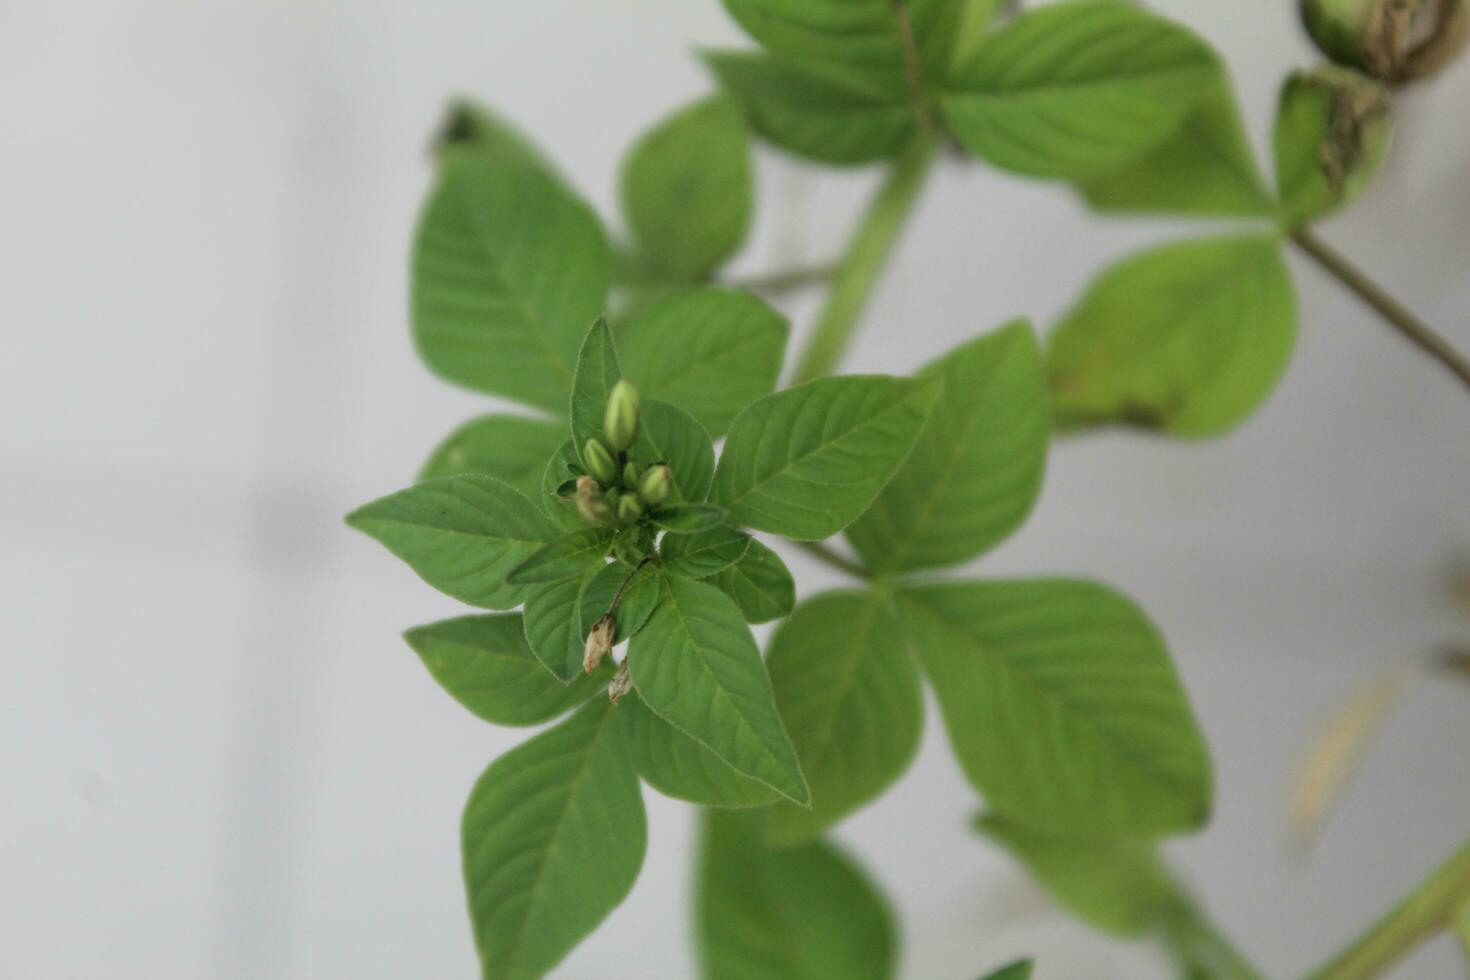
(655, 486)
(630, 508)
(622, 683)
(1395, 40)
(630, 475)
(599, 462)
(599, 643)
(620, 422)
(591, 503)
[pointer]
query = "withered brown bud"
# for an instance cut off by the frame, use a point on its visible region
(622, 683)
(599, 643)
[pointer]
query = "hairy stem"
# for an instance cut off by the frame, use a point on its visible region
(827, 556)
(1198, 945)
(859, 268)
(1415, 330)
(1430, 908)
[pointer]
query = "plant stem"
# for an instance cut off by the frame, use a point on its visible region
(1430, 908)
(1462, 930)
(1415, 330)
(786, 280)
(859, 268)
(829, 557)
(1199, 945)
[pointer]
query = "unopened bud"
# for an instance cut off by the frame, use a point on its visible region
(1395, 40)
(630, 475)
(591, 503)
(599, 643)
(655, 486)
(630, 508)
(599, 462)
(620, 422)
(622, 683)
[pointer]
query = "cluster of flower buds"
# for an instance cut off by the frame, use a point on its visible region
(614, 491)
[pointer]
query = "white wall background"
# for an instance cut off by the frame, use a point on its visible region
(217, 759)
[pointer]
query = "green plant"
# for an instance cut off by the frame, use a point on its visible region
(618, 522)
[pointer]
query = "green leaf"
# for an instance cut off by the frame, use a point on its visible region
(553, 624)
(688, 518)
(705, 553)
(1188, 338)
(461, 534)
(471, 127)
(639, 598)
(1019, 970)
(863, 34)
(484, 662)
(553, 837)
(687, 190)
(564, 557)
(597, 373)
(696, 666)
(802, 914)
(804, 462)
(976, 469)
(1115, 884)
(1332, 130)
(508, 270)
(558, 470)
(814, 111)
(679, 767)
(1075, 90)
(1206, 167)
(1062, 705)
(849, 694)
(760, 584)
(508, 447)
(670, 435)
(710, 351)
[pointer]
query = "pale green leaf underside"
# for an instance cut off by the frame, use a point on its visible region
(1078, 89)
(553, 837)
(976, 468)
(808, 913)
(849, 694)
(1188, 338)
(686, 189)
(696, 665)
(806, 461)
(508, 272)
(1062, 705)
(711, 351)
(509, 447)
(760, 584)
(461, 534)
(485, 664)
(1117, 885)
(679, 767)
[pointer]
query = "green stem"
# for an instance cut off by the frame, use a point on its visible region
(859, 268)
(1462, 930)
(826, 555)
(784, 281)
(1429, 909)
(1198, 944)
(1415, 330)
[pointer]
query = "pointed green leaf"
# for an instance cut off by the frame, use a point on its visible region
(696, 665)
(553, 836)
(1188, 338)
(710, 351)
(553, 624)
(1077, 89)
(760, 584)
(1062, 705)
(678, 766)
(461, 534)
(508, 270)
(670, 435)
(559, 469)
(687, 190)
(1115, 884)
(814, 111)
(705, 553)
(804, 462)
(471, 127)
(597, 372)
(1019, 970)
(803, 914)
(849, 694)
(567, 556)
(976, 470)
(484, 662)
(639, 597)
(1206, 167)
(508, 447)
(688, 518)
(1332, 130)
